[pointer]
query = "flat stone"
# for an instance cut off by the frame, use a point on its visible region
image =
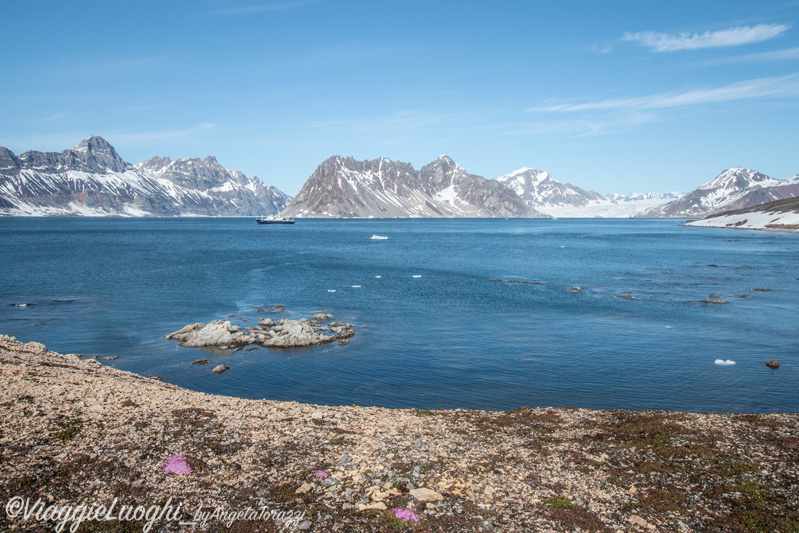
(305, 487)
(426, 495)
(220, 368)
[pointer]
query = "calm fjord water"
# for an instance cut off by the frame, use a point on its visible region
(450, 338)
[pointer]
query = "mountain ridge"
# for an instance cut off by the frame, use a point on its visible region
(733, 188)
(345, 187)
(91, 179)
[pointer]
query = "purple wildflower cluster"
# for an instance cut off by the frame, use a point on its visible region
(406, 515)
(321, 473)
(176, 464)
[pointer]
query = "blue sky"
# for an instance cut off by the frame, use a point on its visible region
(614, 96)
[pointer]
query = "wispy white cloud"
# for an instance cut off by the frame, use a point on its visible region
(402, 121)
(602, 49)
(113, 68)
(789, 54)
(47, 142)
(581, 127)
(253, 9)
(777, 87)
(157, 135)
(50, 118)
(664, 42)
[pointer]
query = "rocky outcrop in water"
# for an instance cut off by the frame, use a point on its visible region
(285, 333)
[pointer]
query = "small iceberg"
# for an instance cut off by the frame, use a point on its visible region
(378, 277)
(722, 362)
(378, 238)
(356, 286)
(331, 290)
(417, 275)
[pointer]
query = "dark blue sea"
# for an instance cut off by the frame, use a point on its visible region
(440, 333)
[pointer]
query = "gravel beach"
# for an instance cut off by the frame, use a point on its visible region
(76, 432)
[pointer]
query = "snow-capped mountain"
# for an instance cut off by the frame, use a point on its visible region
(541, 191)
(92, 179)
(779, 215)
(538, 189)
(344, 187)
(735, 188)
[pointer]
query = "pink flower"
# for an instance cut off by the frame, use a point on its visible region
(176, 464)
(406, 515)
(321, 473)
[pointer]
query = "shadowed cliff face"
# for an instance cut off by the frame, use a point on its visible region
(92, 179)
(344, 187)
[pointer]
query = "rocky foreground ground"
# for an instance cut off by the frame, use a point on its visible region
(76, 432)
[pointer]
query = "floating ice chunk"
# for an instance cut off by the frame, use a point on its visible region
(331, 290)
(417, 275)
(722, 362)
(378, 238)
(669, 327)
(378, 276)
(356, 286)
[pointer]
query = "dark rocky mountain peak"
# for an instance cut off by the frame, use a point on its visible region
(93, 155)
(155, 163)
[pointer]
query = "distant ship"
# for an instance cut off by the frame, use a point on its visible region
(274, 220)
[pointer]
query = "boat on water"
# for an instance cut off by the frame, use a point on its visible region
(274, 220)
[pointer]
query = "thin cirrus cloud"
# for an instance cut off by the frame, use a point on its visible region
(789, 54)
(776, 87)
(739, 35)
(266, 7)
(178, 135)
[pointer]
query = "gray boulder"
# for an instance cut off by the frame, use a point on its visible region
(216, 333)
(297, 333)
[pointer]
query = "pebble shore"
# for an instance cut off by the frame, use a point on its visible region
(75, 431)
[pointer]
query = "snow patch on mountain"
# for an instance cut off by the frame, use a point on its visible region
(541, 191)
(734, 188)
(92, 180)
(344, 187)
(780, 215)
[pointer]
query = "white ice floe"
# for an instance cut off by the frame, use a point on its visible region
(331, 290)
(417, 275)
(722, 362)
(378, 276)
(378, 238)
(356, 286)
